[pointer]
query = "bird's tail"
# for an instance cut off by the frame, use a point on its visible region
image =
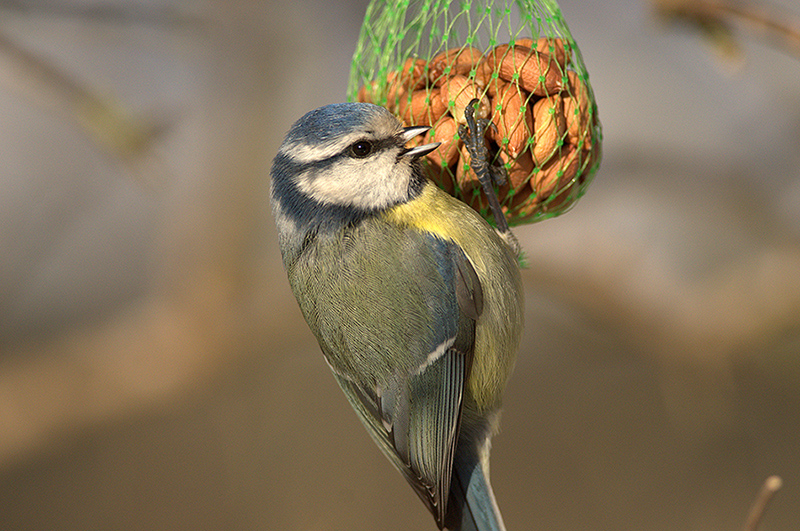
(471, 504)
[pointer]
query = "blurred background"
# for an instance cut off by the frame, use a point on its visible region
(155, 372)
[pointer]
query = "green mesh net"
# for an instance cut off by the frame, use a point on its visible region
(426, 60)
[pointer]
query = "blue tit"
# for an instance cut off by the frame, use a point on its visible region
(415, 300)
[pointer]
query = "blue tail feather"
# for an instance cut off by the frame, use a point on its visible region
(471, 504)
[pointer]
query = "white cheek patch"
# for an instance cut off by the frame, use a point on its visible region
(367, 184)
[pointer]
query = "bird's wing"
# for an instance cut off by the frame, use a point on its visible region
(420, 441)
(400, 342)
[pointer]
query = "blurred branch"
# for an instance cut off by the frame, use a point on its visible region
(707, 319)
(714, 20)
(127, 14)
(125, 138)
(771, 485)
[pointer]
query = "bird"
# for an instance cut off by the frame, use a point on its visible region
(416, 301)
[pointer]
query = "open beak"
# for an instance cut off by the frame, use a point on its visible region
(416, 152)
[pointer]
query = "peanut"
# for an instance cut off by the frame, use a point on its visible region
(553, 46)
(423, 107)
(438, 105)
(512, 118)
(455, 61)
(364, 94)
(486, 78)
(395, 91)
(549, 127)
(589, 157)
(557, 174)
(541, 116)
(446, 132)
(525, 203)
(519, 168)
(413, 75)
(483, 74)
(576, 112)
(496, 55)
(460, 91)
(537, 73)
(409, 78)
(413, 109)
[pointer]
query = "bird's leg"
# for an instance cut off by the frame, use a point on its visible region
(489, 175)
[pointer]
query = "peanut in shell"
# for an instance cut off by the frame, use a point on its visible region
(460, 90)
(553, 46)
(576, 111)
(414, 73)
(446, 132)
(557, 174)
(513, 119)
(422, 107)
(537, 73)
(455, 61)
(518, 168)
(549, 127)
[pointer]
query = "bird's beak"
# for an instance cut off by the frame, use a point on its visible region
(416, 152)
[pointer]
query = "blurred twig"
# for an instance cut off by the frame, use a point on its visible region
(771, 485)
(125, 14)
(715, 19)
(126, 138)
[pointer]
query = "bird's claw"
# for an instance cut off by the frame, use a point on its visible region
(473, 134)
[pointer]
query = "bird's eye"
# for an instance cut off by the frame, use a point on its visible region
(361, 149)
